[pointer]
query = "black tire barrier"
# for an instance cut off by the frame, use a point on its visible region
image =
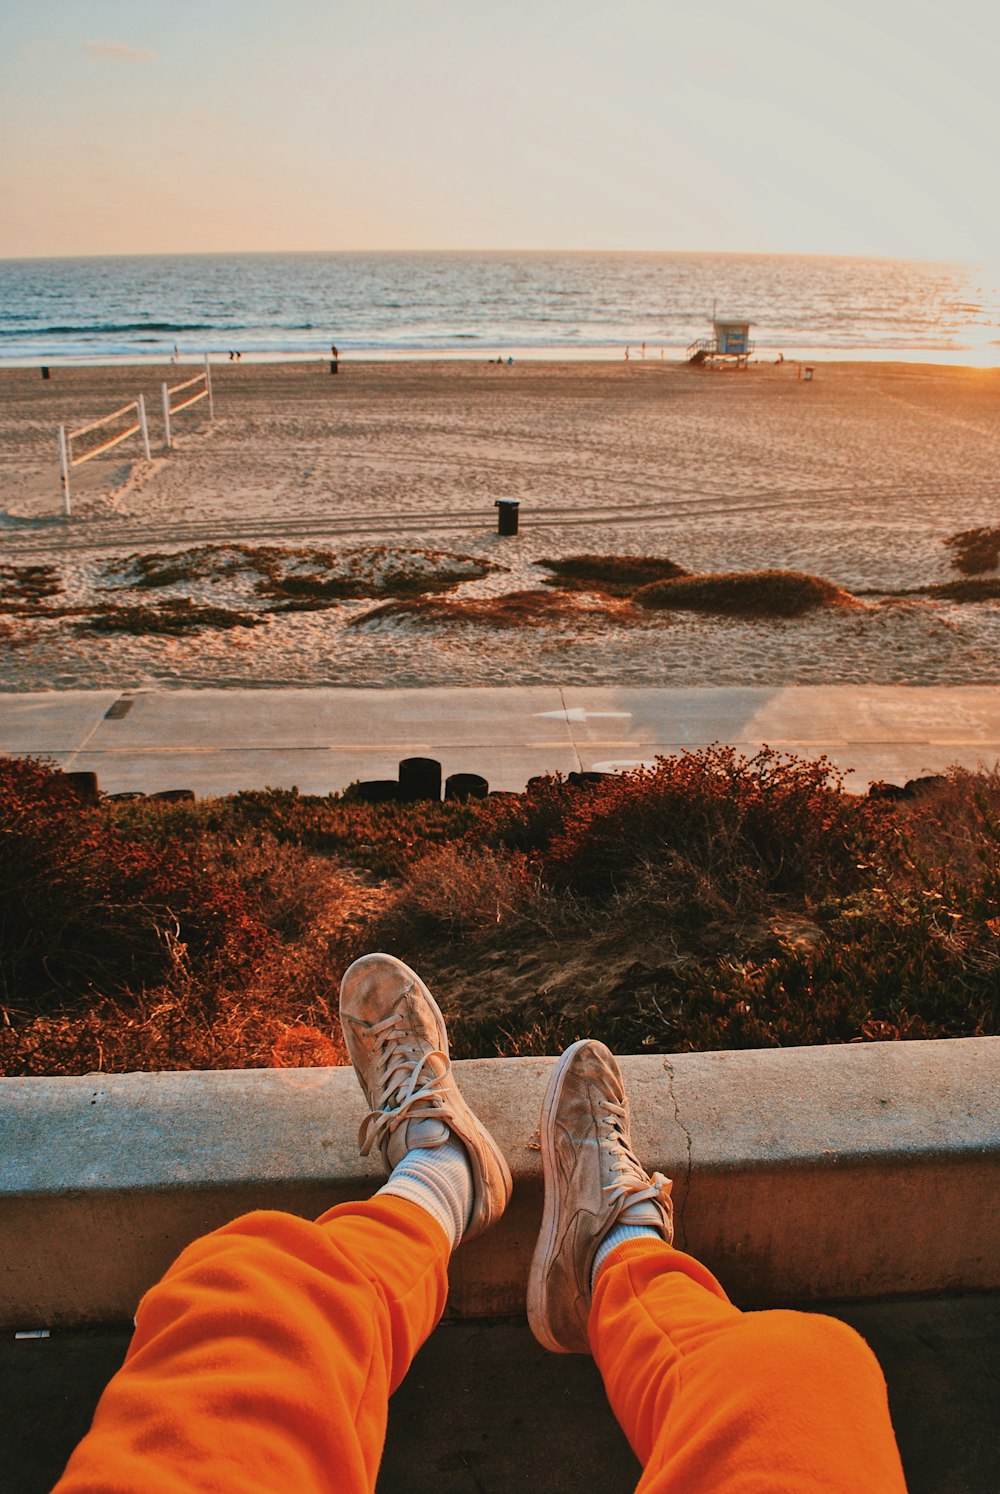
(584, 780)
(465, 786)
(375, 791)
(126, 796)
(891, 791)
(913, 788)
(174, 796)
(83, 786)
(419, 778)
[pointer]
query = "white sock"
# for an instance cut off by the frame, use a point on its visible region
(438, 1179)
(616, 1237)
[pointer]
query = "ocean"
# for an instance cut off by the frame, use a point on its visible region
(485, 304)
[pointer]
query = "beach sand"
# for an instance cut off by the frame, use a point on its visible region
(858, 476)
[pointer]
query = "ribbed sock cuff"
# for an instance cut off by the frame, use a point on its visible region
(438, 1179)
(616, 1237)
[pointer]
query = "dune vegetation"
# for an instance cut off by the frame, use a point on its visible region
(746, 594)
(710, 902)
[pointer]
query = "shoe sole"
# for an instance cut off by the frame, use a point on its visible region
(541, 1260)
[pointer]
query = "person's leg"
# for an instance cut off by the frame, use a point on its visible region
(712, 1398)
(709, 1397)
(264, 1359)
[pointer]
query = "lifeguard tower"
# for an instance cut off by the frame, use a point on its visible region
(729, 345)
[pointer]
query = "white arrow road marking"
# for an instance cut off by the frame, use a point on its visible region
(579, 715)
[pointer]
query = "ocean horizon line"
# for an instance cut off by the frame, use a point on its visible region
(536, 251)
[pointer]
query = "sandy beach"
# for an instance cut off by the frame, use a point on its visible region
(857, 476)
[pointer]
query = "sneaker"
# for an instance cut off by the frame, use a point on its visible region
(593, 1182)
(398, 1044)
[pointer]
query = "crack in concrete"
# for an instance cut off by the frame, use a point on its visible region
(681, 1231)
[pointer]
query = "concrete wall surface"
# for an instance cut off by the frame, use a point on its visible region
(800, 1173)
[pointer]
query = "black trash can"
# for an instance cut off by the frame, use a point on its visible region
(45, 372)
(507, 516)
(419, 778)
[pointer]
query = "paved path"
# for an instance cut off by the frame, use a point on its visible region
(219, 741)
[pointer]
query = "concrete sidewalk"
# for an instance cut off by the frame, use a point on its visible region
(220, 741)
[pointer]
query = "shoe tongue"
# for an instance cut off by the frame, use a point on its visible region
(639, 1214)
(428, 1132)
(414, 1135)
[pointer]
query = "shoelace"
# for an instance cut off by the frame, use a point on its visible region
(399, 1064)
(631, 1185)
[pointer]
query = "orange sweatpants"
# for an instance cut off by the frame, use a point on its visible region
(264, 1360)
(712, 1398)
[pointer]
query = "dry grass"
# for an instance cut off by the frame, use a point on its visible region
(746, 594)
(974, 589)
(175, 617)
(28, 584)
(308, 578)
(515, 609)
(460, 889)
(613, 575)
(975, 550)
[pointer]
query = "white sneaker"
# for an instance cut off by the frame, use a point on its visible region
(398, 1043)
(593, 1182)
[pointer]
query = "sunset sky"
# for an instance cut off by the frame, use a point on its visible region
(850, 127)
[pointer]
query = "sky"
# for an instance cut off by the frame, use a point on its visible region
(863, 127)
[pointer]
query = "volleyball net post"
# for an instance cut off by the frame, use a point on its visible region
(64, 468)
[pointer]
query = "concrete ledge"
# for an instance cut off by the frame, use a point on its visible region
(801, 1174)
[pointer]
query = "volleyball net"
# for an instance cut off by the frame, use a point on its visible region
(134, 411)
(201, 383)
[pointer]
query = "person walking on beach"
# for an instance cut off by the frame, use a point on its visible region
(334, 358)
(265, 1357)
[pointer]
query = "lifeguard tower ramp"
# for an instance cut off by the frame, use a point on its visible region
(729, 344)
